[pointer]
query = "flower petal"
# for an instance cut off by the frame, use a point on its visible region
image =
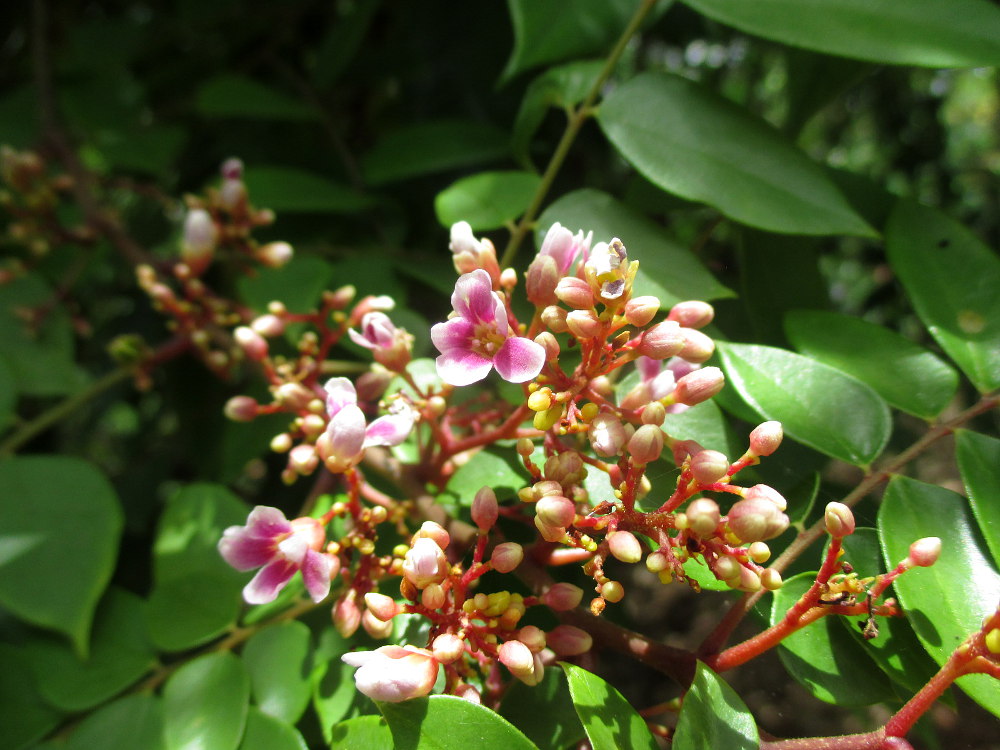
(347, 432)
(473, 298)
(519, 359)
(648, 368)
(456, 333)
(391, 429)
(244, 551)
(461, 367)
(360, 340)
(316, 568)
(270, 580)
(339, 393)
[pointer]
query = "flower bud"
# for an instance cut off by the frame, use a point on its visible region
(653, 413)
(575, 293)
(692, 314)
(992, 641)
(382, 606)
(624, 546)
(375, 627)
(294, 396)
(520, 661)
(726, 568)
(199, 241)
(703, 517)
(759, 552)
(447, 648)
(613, 591)
(563, 597)
(839, 520)
(698, 386)
(303, 459)
(646, 444)
(640, 310)
(708, 467)
(656, 562)
(765, 492)
(433, 596)
(749, 581)
(568, 640)
(925, 552)
(541, 280)
(583, 324)
(549, 343)
(251, 342)
(346, 615)
(697, 346)
(554, 319)
(485, 510)
(555, 510)
(425, 563)
(532, 637)
(771, 579)
(756, 520)
(467, 692)
(607, 435)
(662, 340)
(241, 409)
(268, 325)
(274, 254)
(507, 556)
(232, 168)
(765, 438)
(549, 533)
(435, 531)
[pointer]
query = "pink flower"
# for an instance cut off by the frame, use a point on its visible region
(478, 338)
(348, 434)
(389, 345)
(560, 249)
(280, 548)
(393, 673)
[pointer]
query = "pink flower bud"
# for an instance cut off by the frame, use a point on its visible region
(241, 409)
(575, 293)
(549, 533)
(435, 531)
(770, 579)
(232, 168)
(839, 520)
(703, 517)
(563, 597)
(485, 510)
(372, 384)
(709, 467)
(554, 319)
(549, 343)
(726, 568)
(507, 556)
(756, 520)
(199, 241)
(346, 615)
(392, 674)
(555, 510)
(540, 281)
(268, 325)
(468, 693)
(624, 546)
(765, 438)
(524, 665)
(925, 552)
(433, 596)
(375, 627)
(567, 640)
(646, 445)
(532, 637)
(382, 606)
(275, 254)
(640, 310)
(698, 386)
(447, 648)
(294, 396)
(653, 413)
(607, 435)
(251, 342)
(765, 492)
(697, 346)
(662, 340)
(583, 324)
(425, 563)
(302, 459)
(692, 314)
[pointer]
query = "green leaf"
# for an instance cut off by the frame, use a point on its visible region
(151, 150)
(979, 462)
(135, 721)
(333, 689)
(299, 284)
(499, 470)
(544, 712)
(444, 722)
(563, 86)
(946, 602)
(906, 375)
(368, 732)
(703, 422)
(8, 394)
(713, 716)
(24, 715)
(205, 704)
(932, 33)
(39, 352)
(120, 653)
(487, 200)
(60, 522)
(290, 190)
(951, 278)
(264, 732)
(666, 269)
(816, 404)
(609, 719)
(231, 95)
(695, 144)
(196, 594)
(896, 649)
(824, 658)
(279, 661)
(696, 568)
(432, 147)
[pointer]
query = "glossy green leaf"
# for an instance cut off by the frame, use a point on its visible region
(299, 284)
(333, 690)
(265, 732)
(60, 522)
(544, 712)
(132, 722)
(24, 714)
(368, 732)
(279, 661)
(500, 470)
(120, 653)
(666, 269)
(205, 704)
(816, 404)
(906, 375)
(952, 279)
(230, 95)
(932, 33)
(694, 143)
(703, 422)
(896, 648)
(8, 394)
(979, 462)
(432, 147)
(152, 150)
(196, 594)
(444, 722)
(815, 81)
(696, 568)
(946, 602)
(563, 86)
(40, 355)
(609, 719)
(486, 200)
(713, 716)
(824, 658)
(289, 190)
